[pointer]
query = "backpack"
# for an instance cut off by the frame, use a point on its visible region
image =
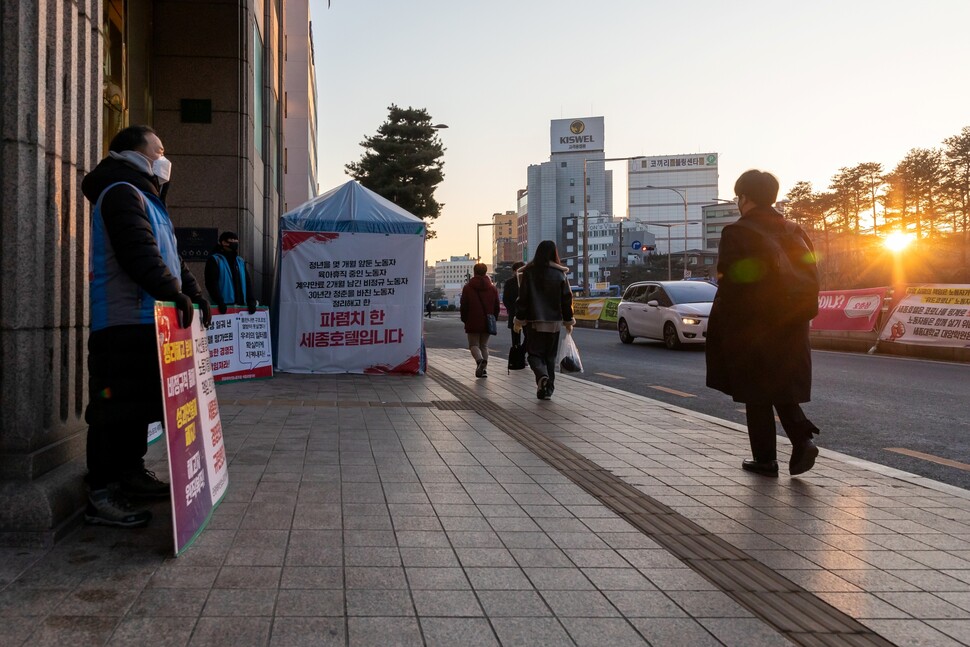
(792, 272)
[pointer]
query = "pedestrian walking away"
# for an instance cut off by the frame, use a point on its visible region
(758, 351)
(429, 307)
(479, 299)
(227, 277)
(543, 309)
(134, 262)
(510, 294)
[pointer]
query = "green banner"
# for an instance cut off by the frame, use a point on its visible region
(608, 313)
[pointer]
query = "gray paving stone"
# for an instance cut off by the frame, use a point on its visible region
(644, 604)
(674, 632)
(169, 602)
(388, 603)
(446, 603)
(312, 577)
(576, 604)
(230, 632)
(596, 632)
(910, 632)
(310, 602)
(437, 578)
(248, 577)
(862, 605)
(428, 557)
(370, 577)
(501, 579)
(513, 604)
(308, 632)
(240, 602)
(157, 632)
(472, 557)
(372, 556)
(529, 632)
(448, 632)
(56, 630)
(384, 632)
(923, 605)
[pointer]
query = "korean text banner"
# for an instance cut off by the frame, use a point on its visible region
(350, 303)
(849, 309)
(931, 315)
(193, 430)
(587, 309)
(239, 345)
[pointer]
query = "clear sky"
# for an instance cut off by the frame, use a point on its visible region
(797, 88)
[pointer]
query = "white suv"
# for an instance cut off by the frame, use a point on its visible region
(673, 311)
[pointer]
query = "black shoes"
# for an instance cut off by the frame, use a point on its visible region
(143, 483)
(109, 507)
(480, 371)
(543, 392)
(803, 457)
(765, 468)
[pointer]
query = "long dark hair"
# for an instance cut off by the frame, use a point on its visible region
(546, 253)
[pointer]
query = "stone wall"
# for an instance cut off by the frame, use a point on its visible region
(50, 136)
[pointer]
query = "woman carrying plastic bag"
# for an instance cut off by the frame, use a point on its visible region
(568, 358)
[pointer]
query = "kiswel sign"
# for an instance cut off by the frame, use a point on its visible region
(584, 134)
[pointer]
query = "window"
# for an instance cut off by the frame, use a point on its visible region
(572, 181)
(562, 164)
(572, 199)
(569, 235)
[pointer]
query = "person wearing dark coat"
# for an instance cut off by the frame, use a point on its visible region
(479, 298)
(134, 263)
(544, 307)
(753, 353)
(510, 294)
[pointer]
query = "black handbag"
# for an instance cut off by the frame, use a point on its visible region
(517, 358)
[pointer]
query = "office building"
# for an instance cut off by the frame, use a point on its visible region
(504, 238)
(522, 225)
(660, 186)
(299, 108)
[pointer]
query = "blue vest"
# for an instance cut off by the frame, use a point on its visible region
(116, 300)
(227, 289)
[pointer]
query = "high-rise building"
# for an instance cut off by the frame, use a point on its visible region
(299, 109)
(504, 238)
(660, 186)
(555, 188)
(522, 225)
(452, 274)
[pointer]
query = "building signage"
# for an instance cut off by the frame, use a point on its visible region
(577, 135)
(680, 161)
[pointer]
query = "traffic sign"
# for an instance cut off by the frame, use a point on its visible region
(636, 245)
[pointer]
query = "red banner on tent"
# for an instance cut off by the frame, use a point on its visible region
(849, 309)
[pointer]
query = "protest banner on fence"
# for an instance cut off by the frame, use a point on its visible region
(608, 313)
(849, 309)
(239, 344)
(931, 315)
(197, 466)
(587, 309)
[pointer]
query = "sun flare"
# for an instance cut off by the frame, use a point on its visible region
(897, 241)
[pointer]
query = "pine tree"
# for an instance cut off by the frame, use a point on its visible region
(402, 163)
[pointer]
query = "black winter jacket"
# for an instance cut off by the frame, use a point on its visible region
(544, 294)
(130, 231)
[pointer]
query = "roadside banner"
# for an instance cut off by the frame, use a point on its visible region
(931, 315)
(197, 466)
(587, 309)
(849, 309)
(239, 345)
(351, 303)
(608, 313)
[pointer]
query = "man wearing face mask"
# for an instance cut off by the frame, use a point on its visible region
(226, 277)
(134, 262)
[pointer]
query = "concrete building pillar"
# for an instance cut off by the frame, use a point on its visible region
(50, 136)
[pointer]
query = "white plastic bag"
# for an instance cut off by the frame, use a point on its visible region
(567, 359)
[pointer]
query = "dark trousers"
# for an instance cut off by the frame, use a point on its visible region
(542, 348)
(125, 390)
(761, 427)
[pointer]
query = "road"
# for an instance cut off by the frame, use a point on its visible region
(864, 404)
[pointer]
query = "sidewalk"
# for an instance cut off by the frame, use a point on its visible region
(445, 510)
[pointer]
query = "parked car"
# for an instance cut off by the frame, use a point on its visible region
(675, 312)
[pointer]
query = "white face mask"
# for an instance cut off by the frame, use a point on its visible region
(162, 168)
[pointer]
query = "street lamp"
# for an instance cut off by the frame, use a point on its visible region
(586, 217)
(683, 196)
(668, 226)
(478, 246)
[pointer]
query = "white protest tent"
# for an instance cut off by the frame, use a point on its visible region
(349, 295)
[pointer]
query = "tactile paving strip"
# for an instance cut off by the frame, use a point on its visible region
(796, 613)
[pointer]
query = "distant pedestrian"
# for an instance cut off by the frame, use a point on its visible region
(510, 294)
(755, 352)
(479, 298)
(429, 307)
(227, 277)
(544, 307)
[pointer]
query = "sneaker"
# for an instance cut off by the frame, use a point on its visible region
(143, 483)
(109, 507)
(542, 392)
(803, 457)
(480, 370)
